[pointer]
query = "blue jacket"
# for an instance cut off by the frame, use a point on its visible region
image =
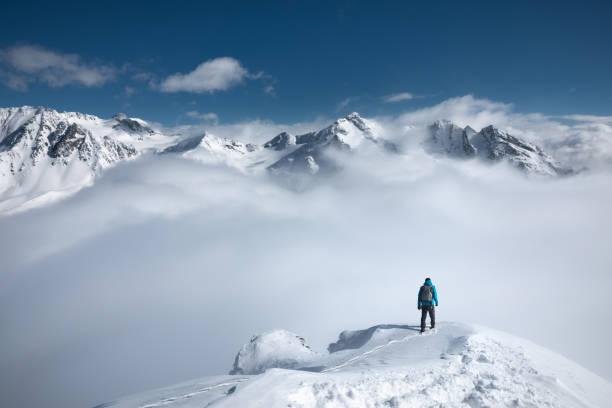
(435, 295)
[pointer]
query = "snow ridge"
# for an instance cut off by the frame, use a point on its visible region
(455, 365)
(490, 144)
(275, 349)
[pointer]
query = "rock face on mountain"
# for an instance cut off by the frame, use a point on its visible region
(185, 144)
(42, 150)
(281, 142)
(313, 151)
(447, 138)
(490, 144)
(35, 135)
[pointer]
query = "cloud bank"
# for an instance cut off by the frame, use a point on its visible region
(25, 64)
(165, 267)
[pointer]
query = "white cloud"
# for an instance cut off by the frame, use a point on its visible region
(269, 89)
(172, 242)
(28, 63)
(14, 81)
(217, 74)
(343, 103)
(129, 91)
(206, 117)
(398, 97)
(175, 242)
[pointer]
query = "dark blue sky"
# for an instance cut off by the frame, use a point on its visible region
(553, 58)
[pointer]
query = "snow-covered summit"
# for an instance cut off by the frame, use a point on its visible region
(490, 144)
(314, 149)
(447, 138)
(45, 154)
(457, 365)
(281, 141)
(494, 144)
(288, 154)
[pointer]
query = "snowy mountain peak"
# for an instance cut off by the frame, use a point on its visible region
(281, 141)
(489, 144)
(390, 365)
(447, 138)
(185, 144)
(493, 144)
(357, 121)
(215, 143)
(42, 150)
(131, 125)
(312, 155)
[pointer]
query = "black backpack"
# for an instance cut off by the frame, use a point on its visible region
(426, 293)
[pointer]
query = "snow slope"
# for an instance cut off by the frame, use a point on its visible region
(456, 365)
(46, 155)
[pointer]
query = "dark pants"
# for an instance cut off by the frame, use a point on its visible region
(432, 316)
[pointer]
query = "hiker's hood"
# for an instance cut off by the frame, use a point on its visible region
(428, 283)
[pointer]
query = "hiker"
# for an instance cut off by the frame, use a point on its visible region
(427, 297)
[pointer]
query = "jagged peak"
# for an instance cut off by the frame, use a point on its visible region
(446, 124)
(356, 120)
(281, 141)
(442, 122)
(216, 142)
(469, 129)
(492, 129)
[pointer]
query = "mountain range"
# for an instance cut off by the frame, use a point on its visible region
(46, 155)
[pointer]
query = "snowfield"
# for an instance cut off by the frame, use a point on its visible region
(454, 365)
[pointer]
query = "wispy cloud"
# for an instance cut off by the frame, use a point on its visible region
(346, 102)
(205, 117)
(129, 91)
(587, 118)
(398, 97)
(24, 64)
(217, 74)
(269, 89)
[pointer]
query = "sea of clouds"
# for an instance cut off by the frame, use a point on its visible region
(165, 267)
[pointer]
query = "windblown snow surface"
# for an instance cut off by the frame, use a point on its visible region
(454, 365)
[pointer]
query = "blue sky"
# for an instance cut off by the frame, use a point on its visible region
(290, 62)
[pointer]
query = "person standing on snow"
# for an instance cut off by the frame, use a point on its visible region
(427, 297)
